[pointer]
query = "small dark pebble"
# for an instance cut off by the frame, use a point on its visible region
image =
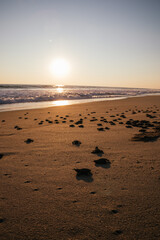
(29, 140)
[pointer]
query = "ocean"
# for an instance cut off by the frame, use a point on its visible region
(16, 97)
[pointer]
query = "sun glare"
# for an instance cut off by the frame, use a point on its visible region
(60, 68)
(59, 90)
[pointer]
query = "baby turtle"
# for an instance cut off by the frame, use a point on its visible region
(83, 172)
(102, 161)
(97, 151)
(76, 142)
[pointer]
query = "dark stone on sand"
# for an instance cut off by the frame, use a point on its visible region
(97, 151)
(83, 172)
(3, 120)
(29, 140)
(107, 128)
(92, 192)
(71, 125)
(76, 142)
(99, 124)
(36, 189)
(63, 121)
(27, 181)
(1, 155)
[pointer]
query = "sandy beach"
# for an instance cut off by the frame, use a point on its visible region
(81, 172)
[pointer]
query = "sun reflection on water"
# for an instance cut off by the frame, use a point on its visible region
(59, 90)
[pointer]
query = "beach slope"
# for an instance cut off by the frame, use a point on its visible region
(85, 171)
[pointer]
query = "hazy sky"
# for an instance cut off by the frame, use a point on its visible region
(106, 42)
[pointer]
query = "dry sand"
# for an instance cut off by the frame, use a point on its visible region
(41, 197)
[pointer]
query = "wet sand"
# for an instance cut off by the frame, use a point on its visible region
(86, 171)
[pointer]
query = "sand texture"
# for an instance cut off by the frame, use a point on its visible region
(81, 172)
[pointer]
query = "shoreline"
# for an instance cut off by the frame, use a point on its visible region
(55, 103)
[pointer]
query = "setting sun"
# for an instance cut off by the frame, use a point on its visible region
(60, 67)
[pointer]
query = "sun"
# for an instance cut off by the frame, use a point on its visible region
(60, 67)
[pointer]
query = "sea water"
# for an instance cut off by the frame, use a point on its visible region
(16, 97)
